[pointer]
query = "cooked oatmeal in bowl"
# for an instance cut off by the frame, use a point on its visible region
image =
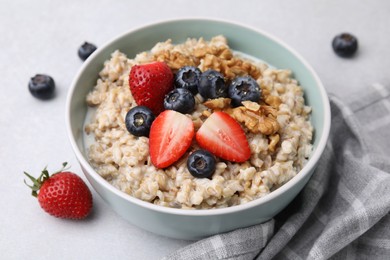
(229, 153)
(276, 127)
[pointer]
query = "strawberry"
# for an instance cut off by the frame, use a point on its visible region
(223, 136)
(63, 194)
(170, 136)
(149, 83)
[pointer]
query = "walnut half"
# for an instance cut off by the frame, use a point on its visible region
(218, 103)
(175, 60)
(257, 118)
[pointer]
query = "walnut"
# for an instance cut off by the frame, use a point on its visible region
(222, 52)
(175, 60)
(230, 68)
(257, 118)
(218, 57)
(251, 106)
(218, 103)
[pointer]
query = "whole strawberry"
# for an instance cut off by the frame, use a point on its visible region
(63, 194)
(149, 83)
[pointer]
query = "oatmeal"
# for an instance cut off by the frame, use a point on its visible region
(277, 129)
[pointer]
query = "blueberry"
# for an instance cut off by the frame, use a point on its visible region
(201, 164)
(345, 45)
(188, 77)
(138, 121)
(212, 85)
(42, 86)
(86, 50)
(242, 89)
(180, 100)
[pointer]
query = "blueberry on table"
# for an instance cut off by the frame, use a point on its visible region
(345, 45)
(212, 85)
(188, 77)
(201, 164)
(42, 86)
(244, 89)
(138, 121)
(180, 100)
(86, 50)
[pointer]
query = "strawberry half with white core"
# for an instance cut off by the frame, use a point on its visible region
(149, 83)
(170, 136)
(223, 136)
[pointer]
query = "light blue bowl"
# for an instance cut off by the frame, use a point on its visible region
(195, 224)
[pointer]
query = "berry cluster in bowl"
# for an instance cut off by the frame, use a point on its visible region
(196, 125)
(171, 134)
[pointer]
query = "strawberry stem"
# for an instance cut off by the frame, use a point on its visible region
(37, 182)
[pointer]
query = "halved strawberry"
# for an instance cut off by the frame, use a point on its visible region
(170, 136)
(149, 83)
(223, 136)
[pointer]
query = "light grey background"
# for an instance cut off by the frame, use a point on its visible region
(43, 37)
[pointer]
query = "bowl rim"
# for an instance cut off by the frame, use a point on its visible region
(315, 156)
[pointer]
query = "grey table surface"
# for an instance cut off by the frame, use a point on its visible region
(43, 37)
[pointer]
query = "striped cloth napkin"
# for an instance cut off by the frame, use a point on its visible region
(343, 211)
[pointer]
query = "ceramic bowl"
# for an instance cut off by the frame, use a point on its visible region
(195, 224)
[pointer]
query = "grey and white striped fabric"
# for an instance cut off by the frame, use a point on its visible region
(343, 212)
